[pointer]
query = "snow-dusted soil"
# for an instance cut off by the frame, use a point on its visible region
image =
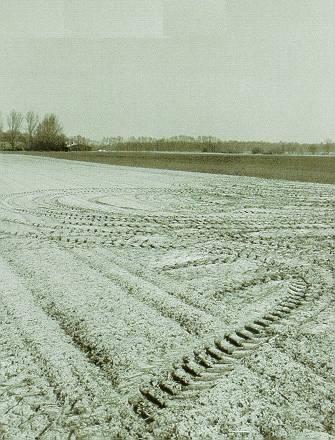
(139, 303)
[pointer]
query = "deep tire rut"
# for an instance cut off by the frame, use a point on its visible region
(200, 370)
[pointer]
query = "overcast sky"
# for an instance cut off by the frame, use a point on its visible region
(237, 69)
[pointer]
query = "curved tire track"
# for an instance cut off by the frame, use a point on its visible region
(200, 370)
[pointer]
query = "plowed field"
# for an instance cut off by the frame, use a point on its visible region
(139, 303)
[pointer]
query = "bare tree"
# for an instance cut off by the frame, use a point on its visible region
(14, 122)
(49, 134)
(32, 122)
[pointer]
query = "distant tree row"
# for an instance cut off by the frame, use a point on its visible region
(150, 139)
(29, 132)
(209, 144)
(231, 147)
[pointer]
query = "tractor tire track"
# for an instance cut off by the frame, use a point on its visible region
(201, 369)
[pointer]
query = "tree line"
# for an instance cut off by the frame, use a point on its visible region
(211, 144)
(204, 145)
(28, 131)
(150, 139)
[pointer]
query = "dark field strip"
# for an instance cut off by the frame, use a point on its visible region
(297, 168)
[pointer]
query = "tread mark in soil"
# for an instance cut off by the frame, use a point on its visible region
(200, 370)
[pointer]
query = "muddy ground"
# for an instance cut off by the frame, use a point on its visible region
(141, 304)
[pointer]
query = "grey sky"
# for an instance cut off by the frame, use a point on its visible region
(238, 69)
